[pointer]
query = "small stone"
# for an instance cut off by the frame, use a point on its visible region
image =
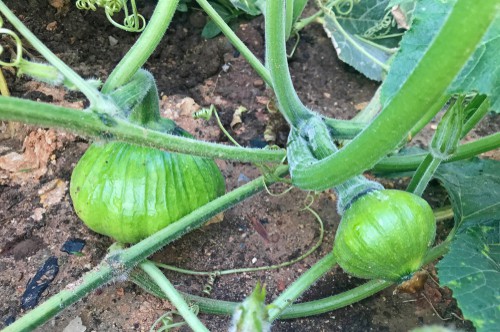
(258, 83)
(112, 41)
(52, 26)
(38, 214)
(120, 291)
(75, 325)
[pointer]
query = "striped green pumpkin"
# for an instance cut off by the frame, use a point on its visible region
(129, 192)
(385, 234)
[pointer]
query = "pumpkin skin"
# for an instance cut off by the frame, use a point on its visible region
(129, 192)
(385, 234)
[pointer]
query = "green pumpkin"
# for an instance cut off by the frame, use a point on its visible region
(385, 234)
(129, 192)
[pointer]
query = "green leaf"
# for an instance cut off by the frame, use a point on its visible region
(428, 17)
(472, 266)
(298, 8)
(182, 6)
(251, 7)
(252, 315)
(211, 30)
(474, 189)
(363, 36)
(481, 73)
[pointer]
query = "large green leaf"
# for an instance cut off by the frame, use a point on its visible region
(481, 73)
(472, 266)
(428, 17)
(474, 188)
(362, 36)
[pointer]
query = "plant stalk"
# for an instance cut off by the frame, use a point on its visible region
(237, 43)
(137, 56)
(300, 285)
(341, 129)
(483, 106)
(423, 175)
(444, 213)
(403, 163)
(106, 127)
(289, 102)
(173, 296)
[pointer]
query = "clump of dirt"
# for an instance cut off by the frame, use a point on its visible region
(264, 230)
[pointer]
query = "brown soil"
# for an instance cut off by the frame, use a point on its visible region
(34, 227)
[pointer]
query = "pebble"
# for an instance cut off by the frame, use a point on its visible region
(258, 83)
(112, 41)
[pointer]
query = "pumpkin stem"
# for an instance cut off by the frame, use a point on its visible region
(351, 190)
(148, 109)
(138, 101)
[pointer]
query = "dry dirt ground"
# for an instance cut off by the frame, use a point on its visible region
(36, 215)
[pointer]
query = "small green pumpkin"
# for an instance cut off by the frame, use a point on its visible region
(129, 192)
(385, 234)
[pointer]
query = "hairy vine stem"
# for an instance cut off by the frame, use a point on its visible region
(403, 163)
(106, 127)
(94, 125)
(173, 295)
(289, 102)
(144, 46)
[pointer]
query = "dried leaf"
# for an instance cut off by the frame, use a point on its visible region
(12, 129)
(219, 217)
(414, 285)
(361, 106)
(52, 26)
(29, 166)
(236, 121)
(400, 18)
(257, 226)
(52, 192)
(180, 110)
(62, 6)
